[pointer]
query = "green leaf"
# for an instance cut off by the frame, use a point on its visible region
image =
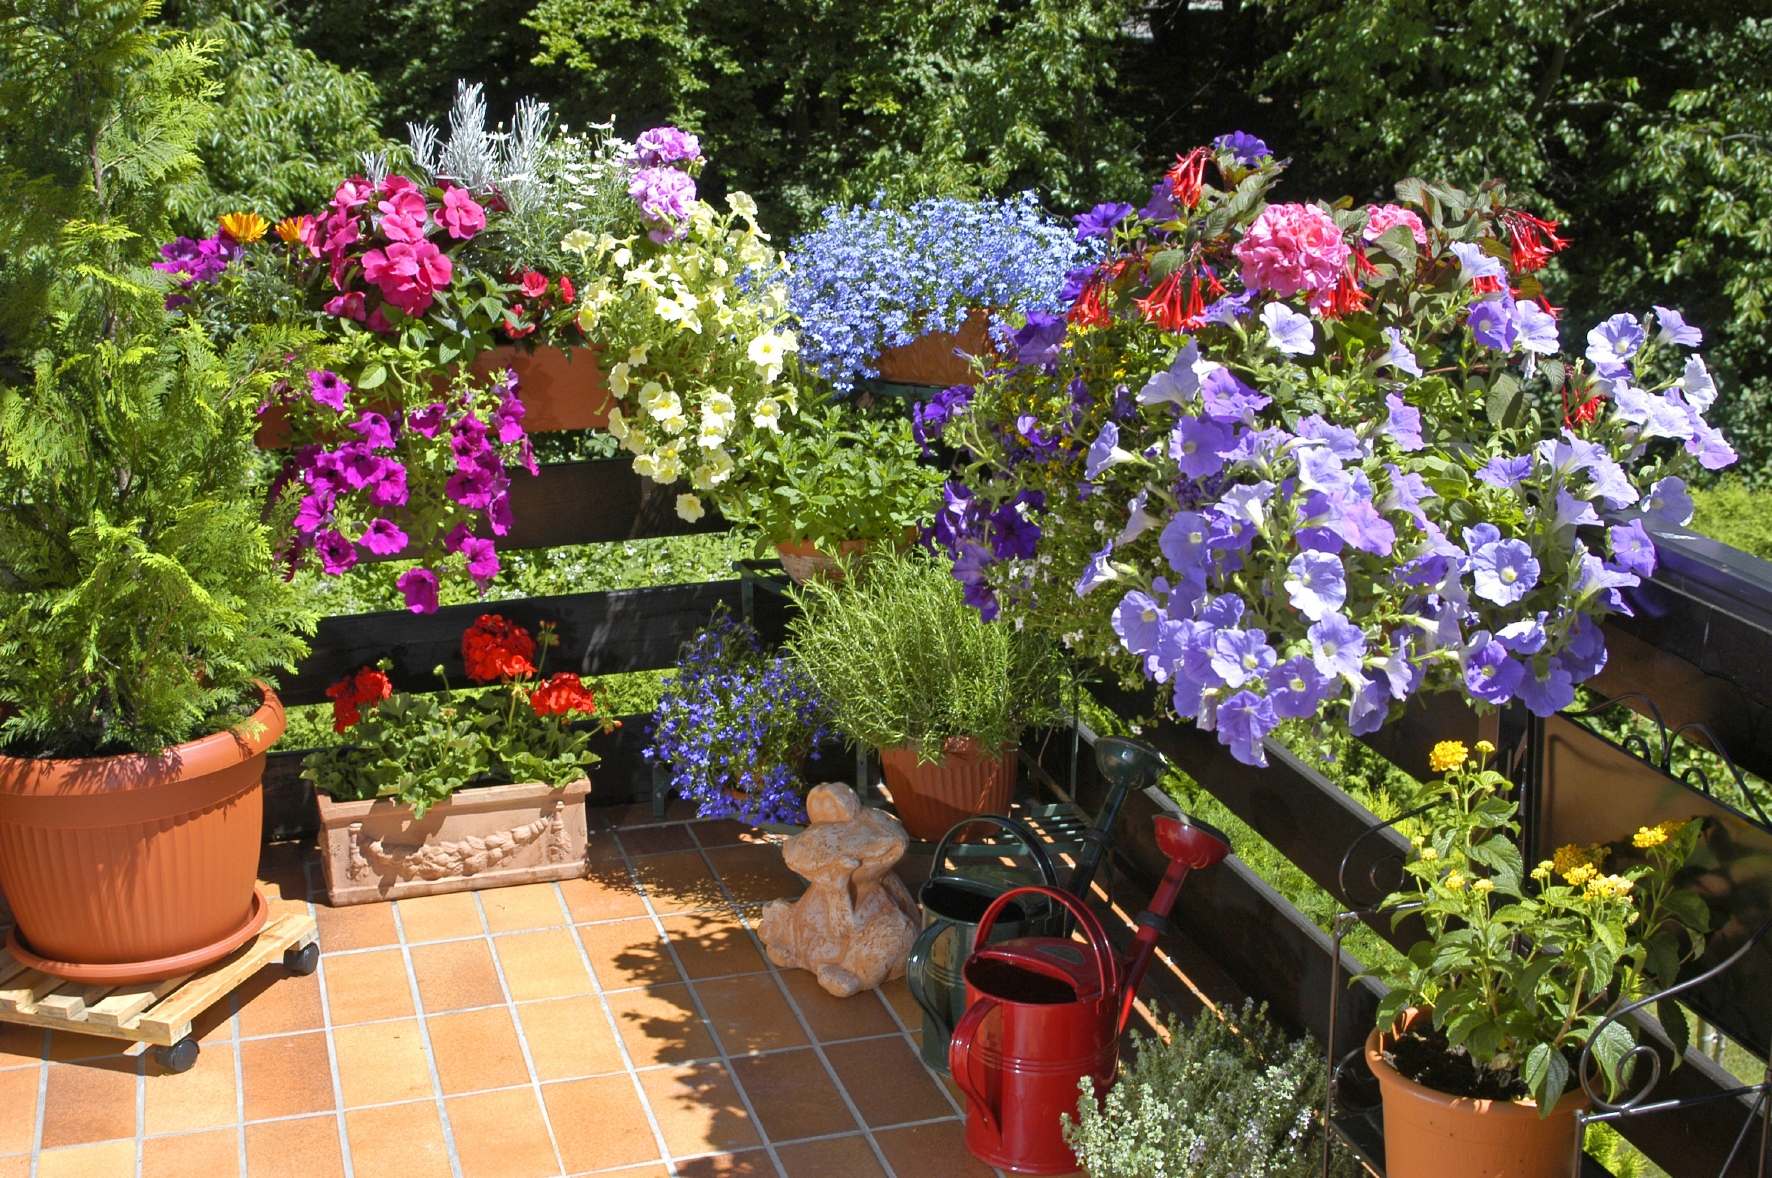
(1674, 1022)
(1166, 263)
(1505, 402)
(373, 376)
(1547, 1074)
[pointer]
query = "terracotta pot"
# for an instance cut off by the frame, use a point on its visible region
(486, 836)
(136, 868)
(933, 795)
(804, 561)
(560, 389)
(930, 359)
(1429, 1134)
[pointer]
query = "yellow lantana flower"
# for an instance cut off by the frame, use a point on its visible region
(244, 228)
(1454, 880)
(1483, 885)
(1447, 755)
(1654, 836)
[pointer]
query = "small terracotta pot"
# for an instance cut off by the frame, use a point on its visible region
(804, 561)
(930, 360)
(135, 868)
(1429, 1134)
(933, 795)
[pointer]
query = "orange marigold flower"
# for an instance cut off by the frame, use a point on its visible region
(244, 228)
(495, 649)
(563, 693)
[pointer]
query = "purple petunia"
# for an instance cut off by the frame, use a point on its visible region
(666, 145)
(1137, 620)
(1633, 549)
(1505, 471)
(1611, 345)
(1241, 655)
(1504, 571)
(1229, 399)
(1494, 324)
(337, 554)
(1297, 688)
(375, 431)
(1038, 341)
(1161, 206)
(1316, 584)
(1337, 646)
(1668, 500)
(1195, 444)
(1097, 571)
(1245, 148)
(1404, 423)
(328, 389)
(1490, 674)
(383, 538)
(1291, 332)
(1184, 540)
(1546, 696)
(1101, 220)
(1244, 720)
(1675, 329)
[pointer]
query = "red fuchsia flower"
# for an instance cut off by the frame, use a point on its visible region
(1087, 311)
(1292, 248)
(419, 587)
(1382, 217)
(1188, 176)
(347, 306)
(1348, 295)
(1176, 304)
(567, 294)
(460, 214)
(494, 649)
(563, 693)
(367, 686)
(1531, 240)
(534, 285)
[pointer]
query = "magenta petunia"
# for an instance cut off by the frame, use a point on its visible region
(383, 538)
(390, 490)
(482, 558)
(375, 431)
(328, 389)
(419, 586)
(337, 554)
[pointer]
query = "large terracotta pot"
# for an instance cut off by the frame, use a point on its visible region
(1429, 1134)
(930, 359)
(136, 868)
(933, 795)
(803, 561)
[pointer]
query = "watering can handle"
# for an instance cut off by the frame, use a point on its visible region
(1027, 838)
(1102, 949)
(914, 972)
(960, 1061)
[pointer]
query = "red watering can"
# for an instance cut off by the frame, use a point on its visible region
(1042, 1012)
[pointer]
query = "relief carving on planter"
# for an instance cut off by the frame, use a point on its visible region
(470, 856)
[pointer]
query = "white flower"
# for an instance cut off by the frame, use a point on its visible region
(723, 466)
(667, 467)
(623, 256)
(742, 204)
(713, 433)
(618, 380)
(577, 242)
(642, 276)
(769, 351)
(767, 415)
(651, 394)
(690, 508)
(683, 314)
(675, 424)
(646, 466)
(618, 428)
(637, 355)
(719, 405)
(703, 477)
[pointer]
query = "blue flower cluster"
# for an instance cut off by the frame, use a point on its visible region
(878, 278)
(735, 724)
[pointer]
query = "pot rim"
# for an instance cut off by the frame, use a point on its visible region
(1571, 1100)
(62, 776)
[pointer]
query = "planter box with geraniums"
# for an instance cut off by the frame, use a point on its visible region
(908, 668)
(893, 294)
(141, 611)
(461, 790)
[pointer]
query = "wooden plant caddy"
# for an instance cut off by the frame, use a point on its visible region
(159, 1014)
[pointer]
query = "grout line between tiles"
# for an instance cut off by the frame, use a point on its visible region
(141, 1104)
(511, 1009)
(424, 1039)
(806, 1028)
(240, 1090)
(42, 1105)
(658, 1137)
(700, 1008)
(338, 1089)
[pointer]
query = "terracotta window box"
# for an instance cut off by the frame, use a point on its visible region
(488, 836)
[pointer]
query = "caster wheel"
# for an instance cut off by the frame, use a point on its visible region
(180, 1057)
(302, 961)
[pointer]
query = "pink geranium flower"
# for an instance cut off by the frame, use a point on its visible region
(1382, 217)
(460, 214)
(347, 306)
(1292, 248)
(352, 194)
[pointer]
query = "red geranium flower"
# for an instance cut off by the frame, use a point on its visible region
(535, 284)
(368, 686)
(563, 693)
(495, 649)
(567, 294)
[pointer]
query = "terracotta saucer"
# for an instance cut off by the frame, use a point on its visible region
(129, 972)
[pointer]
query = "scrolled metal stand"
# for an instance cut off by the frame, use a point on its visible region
(1694, 776)
(1633, 1106)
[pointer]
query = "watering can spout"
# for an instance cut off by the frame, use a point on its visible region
(1191, 845)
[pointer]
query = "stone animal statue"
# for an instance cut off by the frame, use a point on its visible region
(855, 925)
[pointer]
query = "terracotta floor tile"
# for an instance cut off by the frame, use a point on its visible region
(361, 987)
(525, 906)
(437, 918)
(381, 1062)
(898, 996)
(606, 893)
(543, 964)
(18, 1097)
(753, 1164)
(859, 1016)
(679, 882)
(793, 1094)
(569, 1038)
(599, 1123)
(307, 1148)
(656, 840)
(502, 1135)
(285, 864)
(631, 1172)
(729, 832)
(627, 953)
(286, 1076)
(399, 1141)
(887, 1082)
(277, 1002)
(602, 846)
(202, 1098)
(114, 1159)
(930, 1151)
(849, 1157)
(698, 1110)
(660, 1025)
(750, 1014)
(355, 926)
(214, 1154)
(454, 975)
(755, 874)
(89, 1102)
(20, 1046)
(19, 1166)
(713, 944)
(476, 1050)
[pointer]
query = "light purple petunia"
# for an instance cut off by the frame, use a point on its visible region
(1369, 706)
(1364, 528)
(1402, 674)
(1525, 636)
(1184, 540)
(1611, 345)
(1494, 324)
(1097, 572)
(1675, 330)
(1604, 581)
(1404, 423)
(1291, 332)
(1101, 220)
(1712, 448)
(1585, 656)
(1137, 620)
(1195, 444)
(1696, 386)
(1547, 696)
(1297, 688)
(1538, 328)
(1611, 484)
(1668, 500)
(1320, 469)
(1179, 384)
(1398, 355)
(1229, 399)
(1504, 571)
(1344, 442)
(1476, 262)
(1504, 471)
(1241, 655)
(1490, 674)
(1316, 584)
(1105, 451)
(1633, 549)
(1337, 646)
(1573, 512)
(1138, 520)
(1658, 416)
(1243, 721)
